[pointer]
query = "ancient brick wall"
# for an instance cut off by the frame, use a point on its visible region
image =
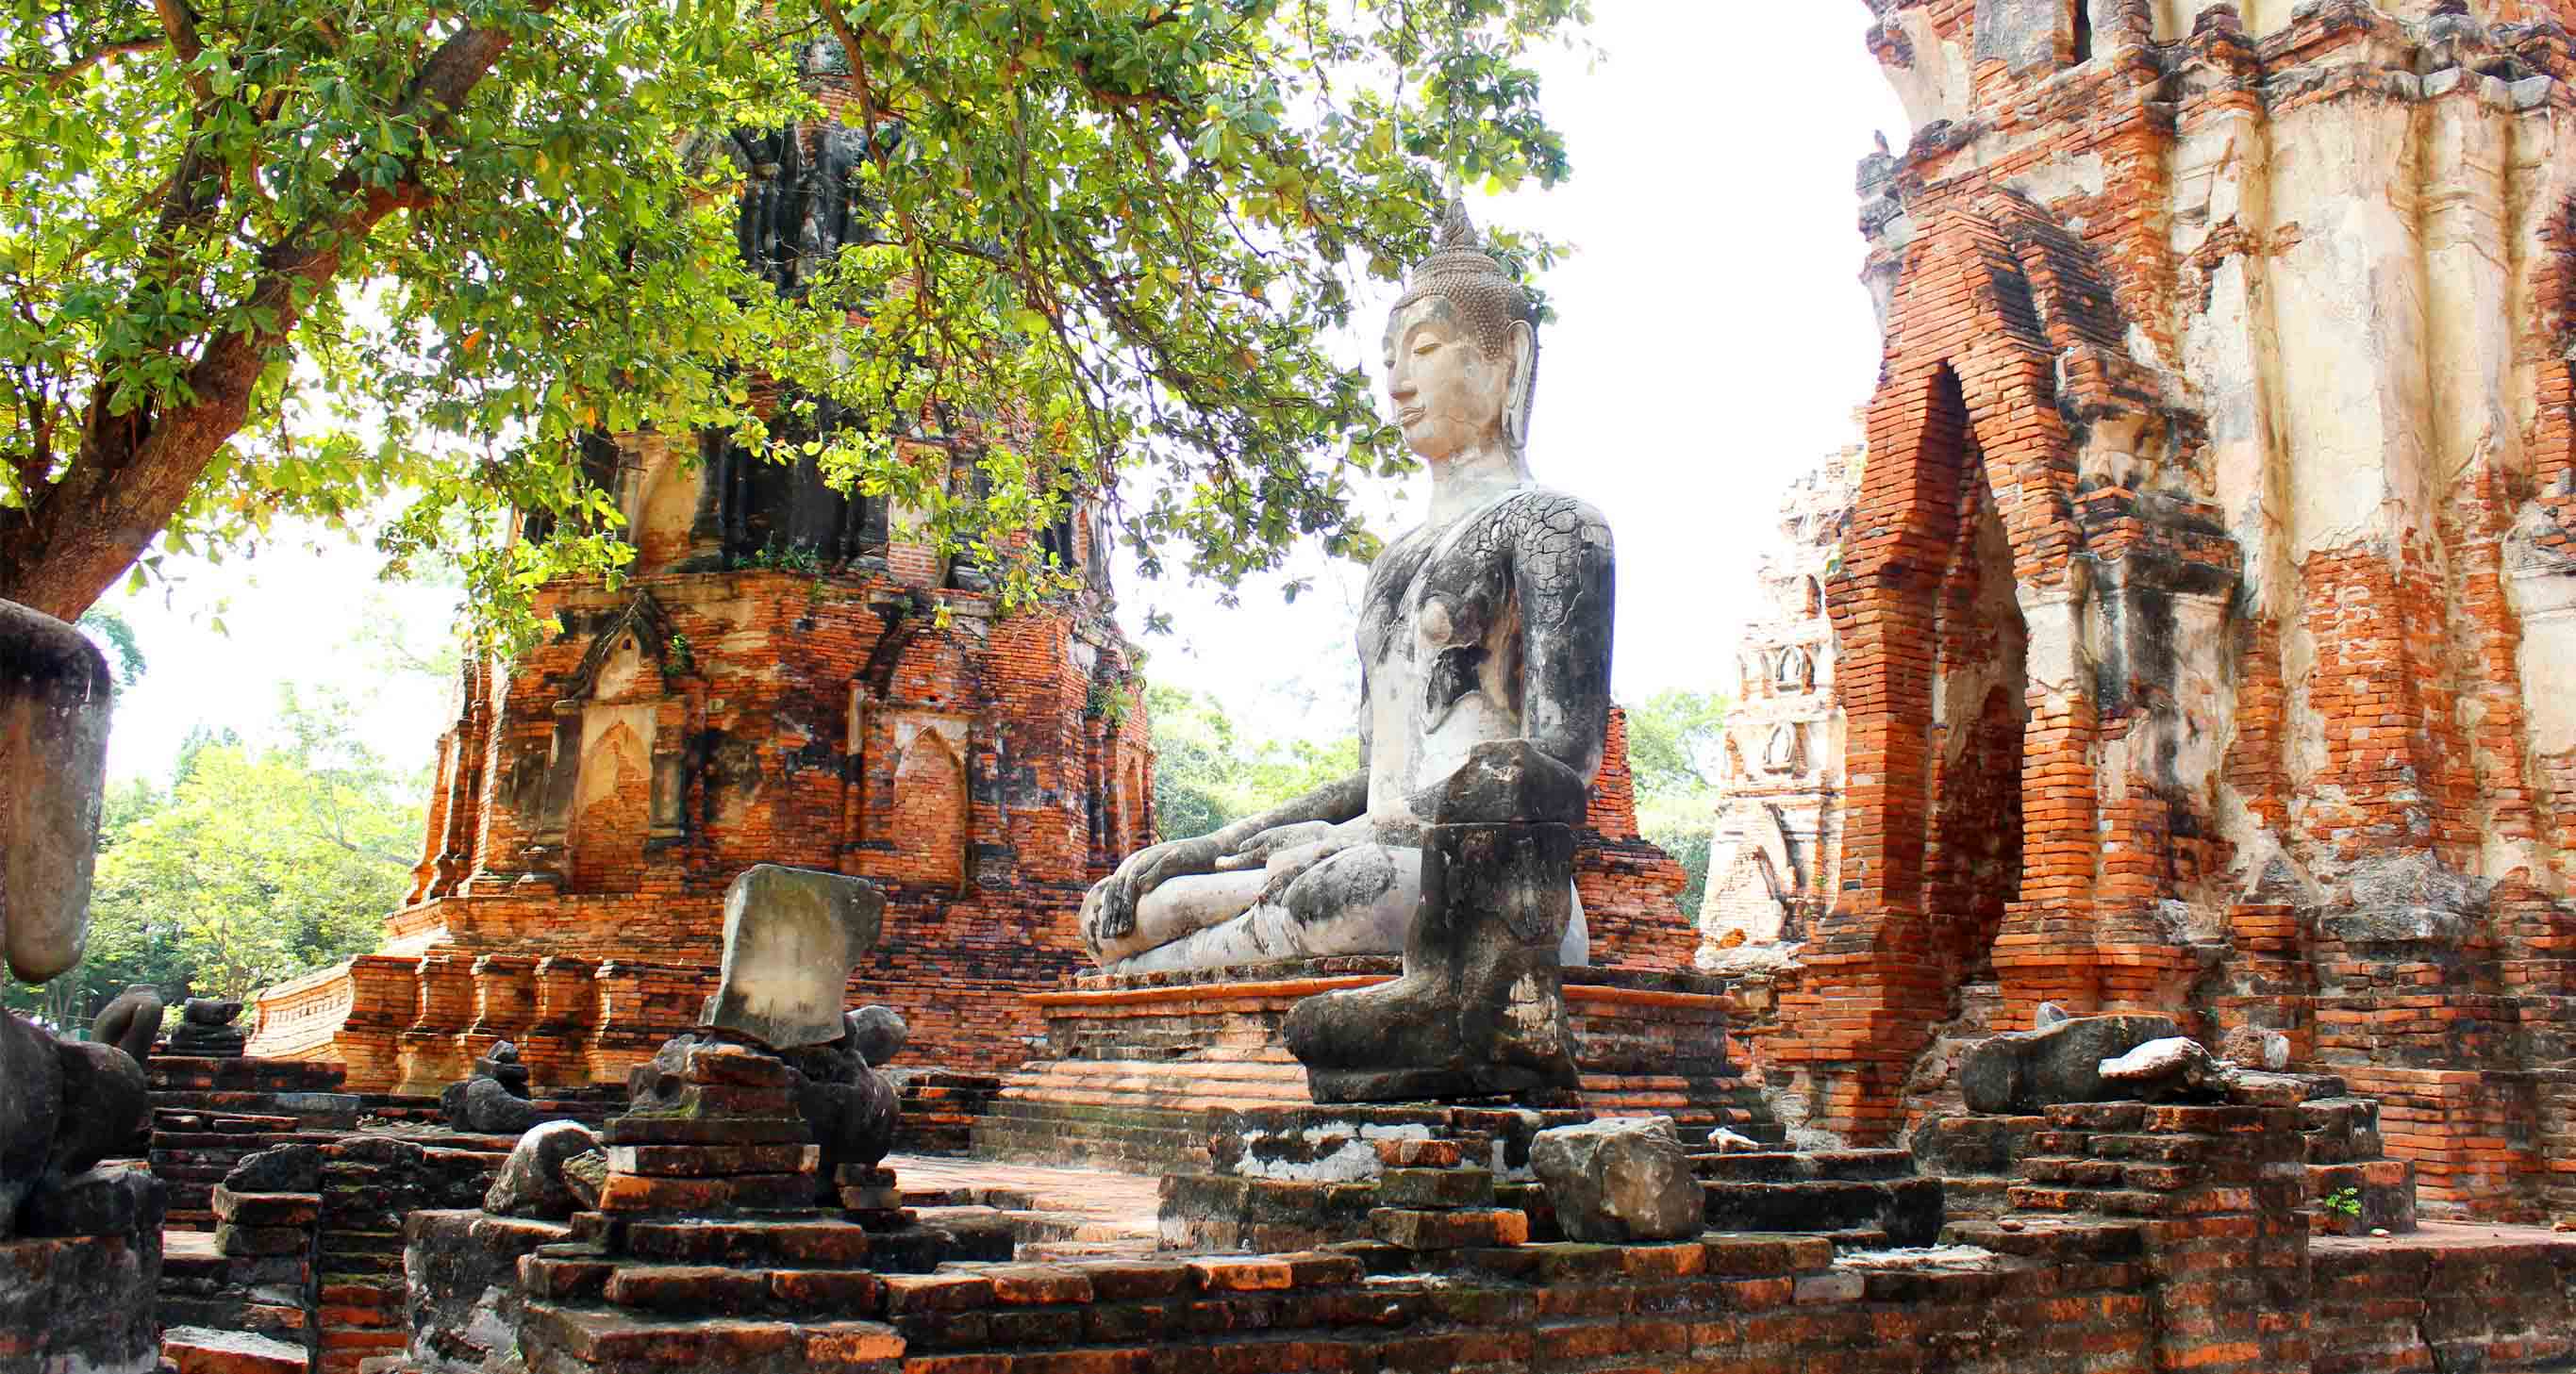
(2239, 331)
(1628, 884)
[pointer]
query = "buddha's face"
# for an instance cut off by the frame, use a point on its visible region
(1449, 397)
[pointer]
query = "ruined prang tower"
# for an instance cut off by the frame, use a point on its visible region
(782, 678)
(1774, 855)
(2209, 613)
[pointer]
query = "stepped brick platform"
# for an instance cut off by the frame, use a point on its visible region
(2348, 1183)
(2183, 1249)
(1296, 1178)
(209, 1112)
(1137, 1070)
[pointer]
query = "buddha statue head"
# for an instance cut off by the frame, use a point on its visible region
(1462, 349)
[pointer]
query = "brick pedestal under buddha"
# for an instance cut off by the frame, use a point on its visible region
(1135, 1066)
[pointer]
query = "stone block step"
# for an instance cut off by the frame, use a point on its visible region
(1909, 1210)
(713, 1290)
(2120, 1202)
(1094, 1142)
(198, 1350)
(611, 1341)
(2054, 1240)
(821, 1243)
(1052, 1112)
(1782, 1166)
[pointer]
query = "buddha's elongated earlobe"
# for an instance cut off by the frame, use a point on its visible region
(1524, 386)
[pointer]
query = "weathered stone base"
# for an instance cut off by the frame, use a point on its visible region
(1297, 1178)
(80, 1304)
(1137, 1069)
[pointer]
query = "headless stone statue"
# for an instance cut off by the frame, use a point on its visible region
(1486, 629)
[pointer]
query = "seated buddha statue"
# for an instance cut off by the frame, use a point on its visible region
(1484, 632)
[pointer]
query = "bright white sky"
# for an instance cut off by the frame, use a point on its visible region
(1712, 341)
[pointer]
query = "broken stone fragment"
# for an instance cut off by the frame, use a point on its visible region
(485, 1106)
(878, 1034)
(2176, 1066)
(210, 1011)
(791, 937)
(1619, 1179)
(501, 1065)
(584, 1175)
(2019, 1072)
(131, 1021)
(206, 1030)
(278, 1169)
(1480, 1008)
(1728, 1142)
(104, 1103)
(532, 1183)
(2255, 1048)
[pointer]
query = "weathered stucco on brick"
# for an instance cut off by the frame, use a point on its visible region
(2244, 337)
(1774, 852)
(594, 799)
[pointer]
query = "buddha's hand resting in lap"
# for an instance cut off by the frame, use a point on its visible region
(1262, 848)
(1113, 914)
(1288, 851)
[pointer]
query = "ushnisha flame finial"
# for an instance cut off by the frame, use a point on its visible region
(1456, 230)
(1456, 249)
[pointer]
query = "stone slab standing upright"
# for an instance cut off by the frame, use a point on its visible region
(791, 937)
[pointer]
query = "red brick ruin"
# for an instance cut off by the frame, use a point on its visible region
(2191, 636)
(2201, 627)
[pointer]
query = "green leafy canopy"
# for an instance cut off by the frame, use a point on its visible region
(255, 864)
(273, 258)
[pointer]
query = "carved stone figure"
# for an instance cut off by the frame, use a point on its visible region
(1487, 626)
(64, 1105)
(851, 1107)
(206, 1029)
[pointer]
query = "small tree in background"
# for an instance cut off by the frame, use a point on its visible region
(1676, 742)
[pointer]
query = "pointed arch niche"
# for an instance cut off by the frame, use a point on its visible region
(614, 783)
(1964, 521)
(929, 813)
(912, 720)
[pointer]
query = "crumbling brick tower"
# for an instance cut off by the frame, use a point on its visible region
(2205, 624)
(874, 716)
(782, 678)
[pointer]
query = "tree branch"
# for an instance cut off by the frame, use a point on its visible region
(135, 470)
(61, 76)
(181, 27)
